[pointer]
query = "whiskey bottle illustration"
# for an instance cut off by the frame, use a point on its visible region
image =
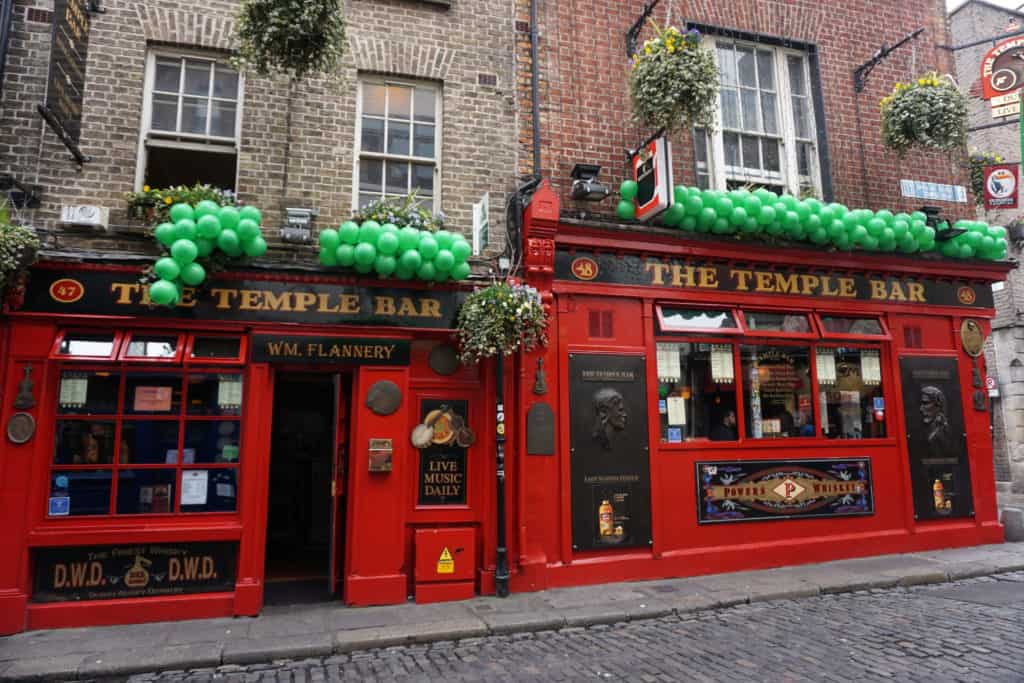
(605, 516)
(939, 496)
(137, 576)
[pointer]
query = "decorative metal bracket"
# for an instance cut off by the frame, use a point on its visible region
(861, 73)
(634, 30)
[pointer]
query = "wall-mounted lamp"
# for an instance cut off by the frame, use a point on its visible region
(943, 230)
(585, 185)
(298, 227)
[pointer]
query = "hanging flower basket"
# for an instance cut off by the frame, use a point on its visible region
(18, 248)
(674, 81)
(929, 112)
(501, 318)
(291, 37)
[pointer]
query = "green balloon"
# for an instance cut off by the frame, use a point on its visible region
(408, 238)
(163, 292)
(165, 234)
(257, 246)
(706, 219)
(180, 212)
(900, 228)
(789, 201)
(803, 212)
(693, 205)
(228, 241)
(813, 224)
(679, 194)
(767, 197)
(997, 231)
(387, 243)
(205, 246)
(738, 216)
(193, 274)
(328, 257)
(625, 210)
(444, 239)
(973, 239)
(723, 207)
(838, 210)
(689, 224)
(385, 265)
(426, 271)
(428, 247)
(753, 205)
(675, 215)
(345, 255)
(440, 275)
(329, 240)
(461, 251)
(790, 221)
(775, 228)
(365, 253)
(185, 230)
(410, 260)
(444, 261)
(229, 217)
(404, 273)
(460, 271)
(248, 230)
(885, 215)
(966, 251)
(369, 231)
(388, 227)
(827, 215)
(814, 204)
(206, 208)
(843, 242)
(722, 227)
(819, 235)
(766, 216)
(208, 226)
(988, 244)
(167, 268)
(628, 189)
(184, 251)
(364, 267)
(858, 234)
(348, 232)
(875, 226)
(252, 213)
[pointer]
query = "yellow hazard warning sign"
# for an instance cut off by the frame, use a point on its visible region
(445, 563)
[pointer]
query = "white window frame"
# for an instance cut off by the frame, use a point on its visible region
(149, 137)
(790, 180)
(358, 153)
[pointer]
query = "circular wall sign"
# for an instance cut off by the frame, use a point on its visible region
(972, 338)
(21, 427)
(384, 397)
(443, 360)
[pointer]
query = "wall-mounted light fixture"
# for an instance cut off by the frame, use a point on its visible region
(298, 227)
(585, 186)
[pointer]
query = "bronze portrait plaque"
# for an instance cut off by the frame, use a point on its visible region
(972, 338)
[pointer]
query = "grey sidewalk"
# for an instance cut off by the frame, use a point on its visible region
(309, 631)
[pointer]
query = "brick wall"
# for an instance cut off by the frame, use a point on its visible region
(468, 48)
(585, 109)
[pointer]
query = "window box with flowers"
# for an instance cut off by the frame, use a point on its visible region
(929, 112)
(153, 205)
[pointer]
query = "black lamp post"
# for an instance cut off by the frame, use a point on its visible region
(501, 572)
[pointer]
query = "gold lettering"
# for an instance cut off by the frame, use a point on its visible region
(383, 305)
(407, 307)
(897, 293)
(349, 304)
(324, 305)
(847, 287)
(188, 297)
(303, 300)
(786, 284)
(682, 276)
(708, 277)
(742, 279)
(250, 300)
(431, 308)
(809, 284)
(335, 351)
(310, 348)
(657, 272)
(276, 302)
(877, 289)
(223, 297)
(123, 292)
(764, 282)
(827, 288)
(916, 292)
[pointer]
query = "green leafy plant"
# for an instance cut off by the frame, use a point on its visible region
(979, 160)
(18, 248)
(402, 211)
(674, 81)
(153, 205)
(500, 318)
(929, 112)
(291, 37)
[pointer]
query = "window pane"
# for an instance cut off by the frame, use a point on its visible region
(777, 391)
(841, 325)
(745, 67)
(142, 491)
(373, 99)
(193, 115)
(770, 149)
(221, 491)
(776, 322)
(81, 442)
(397, 177)
(373, 135)
(399, 102)
(423, 142)
(215, 394)
(222, 119)
(94, 345)
(367, 199)
(168, 75)
(423, 178)
(148, 346)
(749, 101)
(803, 159)
(801, 117)
(197, 78)
(700, 147)
(425, 104)
(687, 319)
(766, 69)
(797, 82)
(732, 149)
(165, 112)
(225, 82)
(768, 113)
(701, 401)
(88, 492)
(848, 392)
(730, 108)
(751, 152)
(370, 175)
(152, 393)
(727, 64)
(88, 393)
(149, 442)
(398, 138)
(216, 347)
(212, 441)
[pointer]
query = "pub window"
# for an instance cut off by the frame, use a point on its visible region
(132, 441)
(850, 393)
(673, 319)
(100, 345)
(152, 347)
(851, 326)
(190, 122)
(780, 323)
(216, 348)
(777, 391)
(696, 392)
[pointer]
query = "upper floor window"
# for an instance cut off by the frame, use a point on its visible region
(398, 140)
(190, 122)
(767, 134)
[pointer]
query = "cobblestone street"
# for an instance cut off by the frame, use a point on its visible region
(966, 631)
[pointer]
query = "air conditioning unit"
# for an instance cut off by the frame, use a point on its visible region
(86, 215)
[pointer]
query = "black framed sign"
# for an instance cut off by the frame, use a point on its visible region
(939, 470)
(131, 571)
(271, 348)
(442, 479)
(66, 83)
(610, 464)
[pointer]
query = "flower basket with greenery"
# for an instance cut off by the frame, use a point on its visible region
(501, 318)
(979, 160)
(18, 248)
(929, 112)
(402, 211)
(152, 205)
(674, 81)
(293, 37)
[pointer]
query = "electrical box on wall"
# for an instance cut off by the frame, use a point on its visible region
(87, 215)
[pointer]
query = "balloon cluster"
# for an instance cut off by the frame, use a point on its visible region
(196, 233)
(763, 213)
(388, 250)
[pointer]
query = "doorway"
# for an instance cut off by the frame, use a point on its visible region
(305, 508)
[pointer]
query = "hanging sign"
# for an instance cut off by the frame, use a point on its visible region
(652, 171)
(62, 108)
(1002, 75)
(1002, 183)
